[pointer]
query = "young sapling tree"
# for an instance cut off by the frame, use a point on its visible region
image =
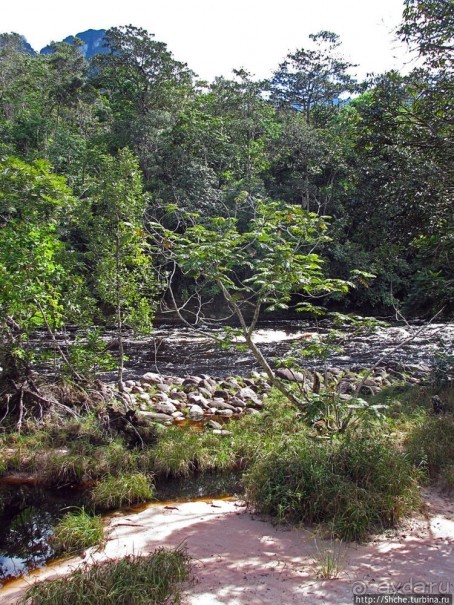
(261, 268)
(123, 278)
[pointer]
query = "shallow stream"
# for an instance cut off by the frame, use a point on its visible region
(179, 351)
(32, 511)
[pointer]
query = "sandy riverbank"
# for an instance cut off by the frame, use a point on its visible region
(242, 559)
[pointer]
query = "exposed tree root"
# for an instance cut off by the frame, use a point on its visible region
(25, 400)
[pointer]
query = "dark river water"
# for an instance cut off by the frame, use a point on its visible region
(26, 525)
(179, 351)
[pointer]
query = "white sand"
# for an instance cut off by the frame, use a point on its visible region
(241, 559)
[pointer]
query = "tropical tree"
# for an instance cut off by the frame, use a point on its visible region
(313, 81)
(253, 270)
(145, 87)
(39, 283)
(428, 26)
(118, 255)
(218, 151)
(400, 158)
(306, 164)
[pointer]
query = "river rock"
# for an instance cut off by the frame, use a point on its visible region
(195, 411)
(151, 377)
(265, 385)
(336, 371)
(162, 397)
(230, 383)
(237, 402)
(345, 386)
(290, 375)
(221, 432)
(191, 381)
(225, 412)
(154, 416)
(180, 405)
(198, 400)
(164, 388)
(221, 394)
(209, 383)
(220, 404)
(248, 393)
(137, 389)
(166, 407)
(214, 425)
(369, 390)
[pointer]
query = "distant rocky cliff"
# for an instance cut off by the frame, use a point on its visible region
(92, 42)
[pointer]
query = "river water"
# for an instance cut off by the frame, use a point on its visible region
(179, 351)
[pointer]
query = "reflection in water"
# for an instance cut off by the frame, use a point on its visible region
(26, 522)
(30, 514)
(27, 537)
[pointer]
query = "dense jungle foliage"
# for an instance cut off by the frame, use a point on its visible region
(128, 188)
(94, 155)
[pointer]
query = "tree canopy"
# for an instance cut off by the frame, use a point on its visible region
(94, 153)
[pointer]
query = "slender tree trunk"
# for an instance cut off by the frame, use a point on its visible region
(119, 314)
(256, 351)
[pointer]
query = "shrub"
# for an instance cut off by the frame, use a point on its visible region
(430, 445)
(76, 531)
(124, 490)
(150, 580)
(447, 479)
(356, 485)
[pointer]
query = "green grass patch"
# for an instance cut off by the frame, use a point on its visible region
(181, 452)
(430, 446)
(123, 490)
(76, 531)
(356, 485)
(447, 479)
(151, 580)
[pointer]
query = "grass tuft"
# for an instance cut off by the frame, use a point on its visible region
(330, 560)
(430, 445)
(76, 531)
(116, 492)
(150, 580)
(356, 485)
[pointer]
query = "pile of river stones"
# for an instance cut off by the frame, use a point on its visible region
(171, 399)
